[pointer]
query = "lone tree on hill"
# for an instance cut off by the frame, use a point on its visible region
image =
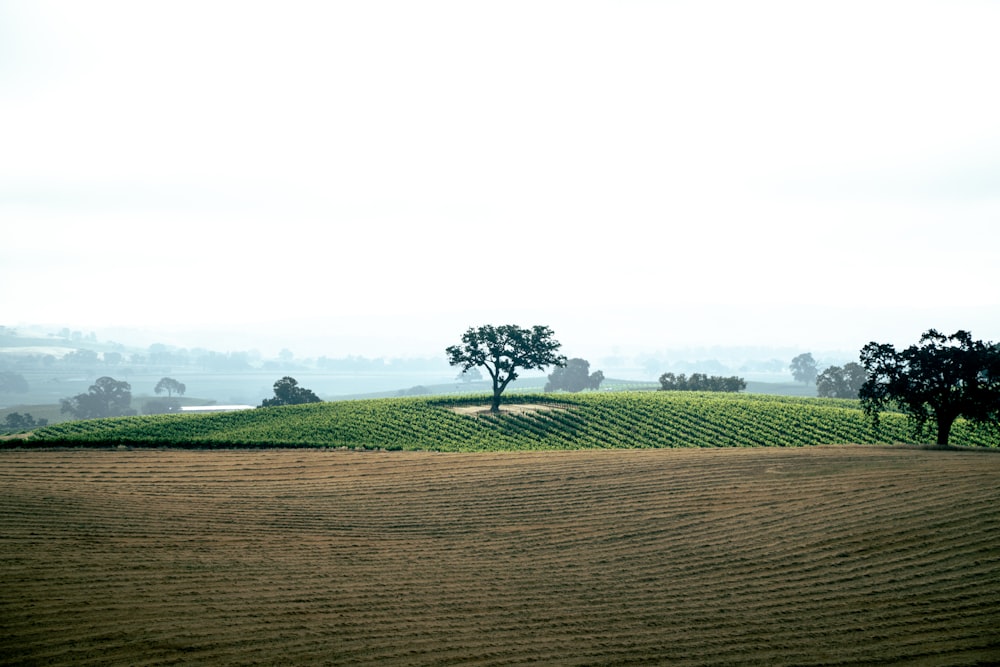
(107, 397)
(938, 380)
(803, 368)
(504, 349)
(574, 376)
(287, 392)
(170, 386)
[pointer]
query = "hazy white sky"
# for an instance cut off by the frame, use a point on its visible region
(374, 177)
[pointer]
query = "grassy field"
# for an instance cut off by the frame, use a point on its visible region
(592, 420)
(740, 556)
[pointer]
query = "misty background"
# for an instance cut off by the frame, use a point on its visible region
(675, 181)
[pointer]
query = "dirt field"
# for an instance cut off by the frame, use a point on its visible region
(730, 556)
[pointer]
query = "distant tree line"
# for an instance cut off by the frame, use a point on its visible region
(701, 382)
(15, 421)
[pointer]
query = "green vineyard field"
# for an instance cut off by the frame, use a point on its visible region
(528, 422)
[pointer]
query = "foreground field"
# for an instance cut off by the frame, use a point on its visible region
(827, 555)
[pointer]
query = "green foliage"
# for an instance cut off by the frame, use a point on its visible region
(574, 376)
(287, 392)
(701, 382)
(503, 350)
(15, 421)
(938, 380)
(841, 382)
(578, 421)
(107, 397)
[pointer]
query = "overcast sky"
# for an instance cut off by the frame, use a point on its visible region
(374, 177)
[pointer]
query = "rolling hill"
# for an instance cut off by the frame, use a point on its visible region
(529, 422)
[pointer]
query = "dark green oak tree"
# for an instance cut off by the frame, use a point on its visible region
(938, 380)
(503, 351)
(288, 392)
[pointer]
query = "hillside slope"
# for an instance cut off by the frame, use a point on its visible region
(597, 420)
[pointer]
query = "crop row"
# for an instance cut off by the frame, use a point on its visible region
(619, 419)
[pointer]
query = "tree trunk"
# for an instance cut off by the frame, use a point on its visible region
(495, 405)
(944, 429)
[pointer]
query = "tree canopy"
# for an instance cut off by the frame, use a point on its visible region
(503, 350)
(841, 382)
(170, 386)
(803, 368)
(938, 380)
(701, 382)
(574, 376)
(287, 392)
(107, 397)
(16, 421)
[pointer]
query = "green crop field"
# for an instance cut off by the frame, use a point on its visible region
(528, 422)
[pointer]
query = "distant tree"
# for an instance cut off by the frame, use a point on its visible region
(17, 421)
(841, 382)
(170, 386)
(803, 368)
(574, 376)
(504, 349)
(470, 375)
(937, 380)
(13, 383)
(107, 397)
(287, 392)
(112, 358)
(701, 382)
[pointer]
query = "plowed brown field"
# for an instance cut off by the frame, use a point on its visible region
(731, 556)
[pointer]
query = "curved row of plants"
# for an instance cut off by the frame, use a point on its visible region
(598, 420)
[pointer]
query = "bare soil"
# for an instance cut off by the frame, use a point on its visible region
(817, 556)
(511, 408)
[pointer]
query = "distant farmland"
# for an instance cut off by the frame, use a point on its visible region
(765, 556)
